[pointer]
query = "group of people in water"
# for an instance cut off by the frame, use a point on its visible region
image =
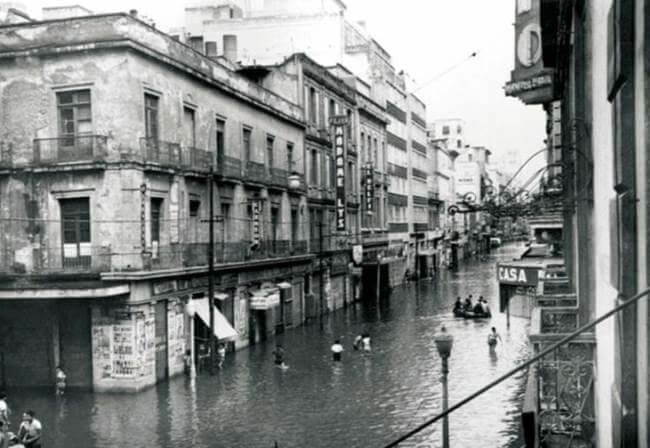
(29, 432)
(479, 309)
(361, 343)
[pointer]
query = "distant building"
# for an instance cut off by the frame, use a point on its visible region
(254, 32)
(13, 12)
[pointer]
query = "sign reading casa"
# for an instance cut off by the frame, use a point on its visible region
(517, 275)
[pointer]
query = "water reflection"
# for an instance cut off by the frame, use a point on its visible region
(364, 401)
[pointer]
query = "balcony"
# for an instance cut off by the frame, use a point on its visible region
(165, 154)
(256, 172)
(69, 149)
(398, 227)
(420, 226)
(279, 177)
(196, 159)
(229, 167)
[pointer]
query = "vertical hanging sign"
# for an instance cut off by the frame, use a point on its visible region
(370, 188)
(257, 226)
(339, 124)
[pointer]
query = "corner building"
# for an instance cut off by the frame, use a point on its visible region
(110, 131)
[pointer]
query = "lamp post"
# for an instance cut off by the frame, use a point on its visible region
(190, 311)
(444, 342)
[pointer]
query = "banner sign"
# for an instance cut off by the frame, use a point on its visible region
(370, 188)
(517, 275)
(257, 225)
(339, 123)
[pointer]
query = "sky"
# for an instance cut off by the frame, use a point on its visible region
(431, 40)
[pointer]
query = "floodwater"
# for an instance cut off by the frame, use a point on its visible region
(367, 400)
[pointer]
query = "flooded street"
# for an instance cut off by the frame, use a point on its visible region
(365, 401)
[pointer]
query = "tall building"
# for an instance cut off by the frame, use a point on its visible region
(106, 184)
(269, 32)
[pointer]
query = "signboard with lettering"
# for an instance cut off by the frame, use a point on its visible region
(370, 188)
(517, 275)
(339, 123)
(257, 226)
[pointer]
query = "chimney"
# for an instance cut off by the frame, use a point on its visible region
(230, 47)
(134, 13)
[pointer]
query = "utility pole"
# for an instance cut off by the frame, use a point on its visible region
(320, 266)
(212, 344)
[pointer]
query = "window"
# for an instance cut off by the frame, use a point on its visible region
(469, 157)
(225, 214)
(151, 117)
(363, 145)
(332, 162)
(314, 167)
(194, 212)
(269, 151)
(445, 130)
(327, 176)
(459, 129)
(290, 157)
(195, 208)
(312, 105)
(75, 119)
(246, 143)
(275, 212)
(294, 225)
(189, 127)
(75, 218)
(156, 211)
(376, 157)
(459, 144)
(220, 142)
(332, 108)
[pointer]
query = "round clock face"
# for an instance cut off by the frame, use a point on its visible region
(529, 45)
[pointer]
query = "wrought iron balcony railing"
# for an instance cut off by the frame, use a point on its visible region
(161, 152)
(70, 148)
(279, 177)
(197, 159)
(229, 167)
(256, 172)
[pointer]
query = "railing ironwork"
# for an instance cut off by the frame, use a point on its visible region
(70, 148)
(161, 152)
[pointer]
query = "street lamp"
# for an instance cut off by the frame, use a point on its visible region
(190, 311)
(444, 342)
(294, 181)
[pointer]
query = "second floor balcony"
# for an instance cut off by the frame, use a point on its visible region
(70, 148)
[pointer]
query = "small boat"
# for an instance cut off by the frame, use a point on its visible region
(471, 314)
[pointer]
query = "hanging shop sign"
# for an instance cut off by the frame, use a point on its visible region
(517, 275)
(370, 188)
(339, 123)
(357, 253)
(257, 226)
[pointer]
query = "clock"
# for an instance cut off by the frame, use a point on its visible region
(529, 45)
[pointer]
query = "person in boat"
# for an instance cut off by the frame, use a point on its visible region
(478, 308)
(468, 303)
(485, 307)
(458, 306)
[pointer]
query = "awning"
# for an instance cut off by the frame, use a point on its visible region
(264, 299)
(222, 328)
(284, 285)
(220, 296)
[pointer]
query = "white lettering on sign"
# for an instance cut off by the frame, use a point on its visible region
(339, 154)
(517, 275)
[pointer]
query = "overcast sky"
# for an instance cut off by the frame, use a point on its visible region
(426, 38)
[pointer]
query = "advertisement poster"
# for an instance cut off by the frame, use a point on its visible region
(124, 352)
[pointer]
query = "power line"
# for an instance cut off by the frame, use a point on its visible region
(443, 73)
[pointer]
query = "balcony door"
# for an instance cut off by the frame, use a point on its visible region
(76, 248)
(75, 126)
